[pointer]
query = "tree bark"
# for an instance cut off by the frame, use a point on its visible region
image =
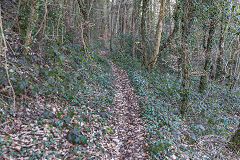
(143, 31)
(118, 17)
(154, 57)
(204, 78)
(231, 63)
(187, 19)
(84, 7)
(219, 65)
(112, 26)
(135, 16)
(175, 30)
(30, 27)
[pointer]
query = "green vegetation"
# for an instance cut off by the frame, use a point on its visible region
(209, 119)
(61, 89)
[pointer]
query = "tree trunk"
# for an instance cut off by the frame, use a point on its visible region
(30, 27)
(111, 26)
(187, 19)
(232, 62)
(134, 24)
(124, 18)
(154, 57)
(84, 8)
(204, 78)
(219, 65)
(175, 30)
(143, 31)
(123, 23)
(106, 22)
(118, 17)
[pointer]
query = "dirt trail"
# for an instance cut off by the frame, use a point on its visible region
(127, 142)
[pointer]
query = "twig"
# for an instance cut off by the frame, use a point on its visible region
(3, 102)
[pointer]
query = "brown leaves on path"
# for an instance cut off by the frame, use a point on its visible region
(127, 142)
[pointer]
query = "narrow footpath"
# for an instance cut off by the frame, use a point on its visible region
(127, 142)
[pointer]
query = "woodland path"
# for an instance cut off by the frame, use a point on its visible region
(127, 142)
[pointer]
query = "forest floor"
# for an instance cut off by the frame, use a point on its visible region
(204, 131)
(112, 132)
(119, 110)
(127, 142)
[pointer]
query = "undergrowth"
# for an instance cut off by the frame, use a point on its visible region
(202, 133)
(59, 89)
